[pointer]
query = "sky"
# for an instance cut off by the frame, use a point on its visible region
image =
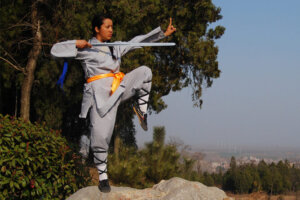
(256, 100)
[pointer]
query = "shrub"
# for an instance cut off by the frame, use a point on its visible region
(36, 162)
(143, 168)
(127, 168)
(162, 161)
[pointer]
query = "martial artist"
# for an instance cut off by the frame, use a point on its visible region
(106, 86)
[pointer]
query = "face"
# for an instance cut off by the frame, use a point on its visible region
(106, 30)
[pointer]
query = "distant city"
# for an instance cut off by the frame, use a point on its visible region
(216, 159)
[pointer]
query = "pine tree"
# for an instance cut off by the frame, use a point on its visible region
(162, 160)
(159, 134)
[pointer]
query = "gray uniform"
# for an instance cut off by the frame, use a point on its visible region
(96, 95)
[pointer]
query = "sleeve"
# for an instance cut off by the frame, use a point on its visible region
(153, 36)
(65, 49)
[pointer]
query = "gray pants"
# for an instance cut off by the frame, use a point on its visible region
(102, 127)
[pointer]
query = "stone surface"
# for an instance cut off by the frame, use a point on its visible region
(175, 188)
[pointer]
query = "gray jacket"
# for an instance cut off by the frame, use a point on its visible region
(98, 60)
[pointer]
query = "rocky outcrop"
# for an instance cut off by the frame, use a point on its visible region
(175, 189)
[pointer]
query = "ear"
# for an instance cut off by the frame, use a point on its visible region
(97, 29)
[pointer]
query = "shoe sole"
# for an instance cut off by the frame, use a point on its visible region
(104, 190)
(142, 123)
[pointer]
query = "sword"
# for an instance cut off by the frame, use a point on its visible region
(142, 44)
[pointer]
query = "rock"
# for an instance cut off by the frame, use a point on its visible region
(175, 188)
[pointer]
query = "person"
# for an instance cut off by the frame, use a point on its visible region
(106, 86)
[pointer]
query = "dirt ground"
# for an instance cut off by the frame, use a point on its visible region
(263, 196)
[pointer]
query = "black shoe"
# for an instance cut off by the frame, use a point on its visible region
(142, 116)
(104, 186)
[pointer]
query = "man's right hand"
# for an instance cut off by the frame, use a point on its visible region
(82, 44)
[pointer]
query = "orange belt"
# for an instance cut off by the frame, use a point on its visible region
(118, 77)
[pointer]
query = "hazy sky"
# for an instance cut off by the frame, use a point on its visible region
(256, 100)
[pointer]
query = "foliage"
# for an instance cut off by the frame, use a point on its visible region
(218, 178)
(36, 162)
(162, 161)
(207, 179)
(272, 178)
(128, 168)
(187, 168)
(159, 134)
(145, 167)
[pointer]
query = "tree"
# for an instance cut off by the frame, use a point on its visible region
(162, 160)
(232, 164)
(187, 168)
(33, 76)
(295, 179)
(193, 62)
(218, 177)
(159, 134)
(265, 175)
(276, 180)
(230, 180)
(21, 42)
(284, 170)
(207, 179)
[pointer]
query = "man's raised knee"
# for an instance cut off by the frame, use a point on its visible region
(147, 72)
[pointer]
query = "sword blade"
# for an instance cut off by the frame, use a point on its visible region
(144, 44)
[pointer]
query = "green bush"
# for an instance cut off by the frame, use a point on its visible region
(36, 162)
(162, 161)
(127, 168)
(143, 168)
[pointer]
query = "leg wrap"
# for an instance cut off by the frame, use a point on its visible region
(100, 160)
(142, 99)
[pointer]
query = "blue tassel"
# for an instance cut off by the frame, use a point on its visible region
(61, 79)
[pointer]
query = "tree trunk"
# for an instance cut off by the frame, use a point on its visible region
(31, 64)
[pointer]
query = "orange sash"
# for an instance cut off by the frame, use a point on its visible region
(118, 77)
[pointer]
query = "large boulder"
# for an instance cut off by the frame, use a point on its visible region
(175, 188)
